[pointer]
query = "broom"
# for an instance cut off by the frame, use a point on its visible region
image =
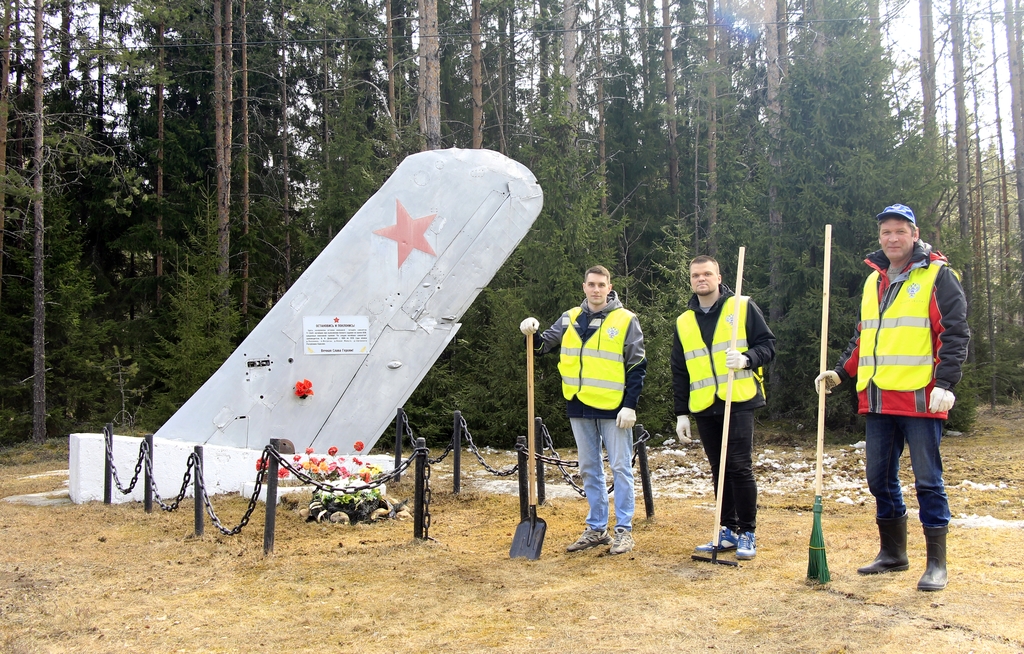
(817, 563)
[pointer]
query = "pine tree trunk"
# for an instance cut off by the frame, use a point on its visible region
(670, 99)
(962, 146)
(1004, 203)
(1012, 22)
(222, 116)
(775, 313)
(392, 105)
(572, 101)
(245, 157)
(430, 76)
(5, 87)
(285, 172)
(158, 259)
(477, 72)
(38, 251)
(712, 62)
(602, 160)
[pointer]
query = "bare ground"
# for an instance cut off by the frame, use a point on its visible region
(94, 578)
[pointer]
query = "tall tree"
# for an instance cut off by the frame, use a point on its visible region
(5, 87)
(477, 81)
(962, 146)
(38, 233)
(430, 76)
(670, 100)
(712, 101)
(244, 110)
(774, 111)
(222, 100)
(569, 43)
(1012, 22)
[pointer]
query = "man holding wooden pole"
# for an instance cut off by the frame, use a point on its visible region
(906, 355)
(701, 359)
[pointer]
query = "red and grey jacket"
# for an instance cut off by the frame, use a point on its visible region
(950, 335)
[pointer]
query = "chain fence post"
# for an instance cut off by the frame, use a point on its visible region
(538, 444)
(271, 478)
(398, 441)
(197, 490)
(148, 492)
(645, 471)
(524, 491)
(418, 519)
(457, 454)
(108, 453)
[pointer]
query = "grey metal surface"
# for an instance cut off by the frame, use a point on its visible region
(412, 276)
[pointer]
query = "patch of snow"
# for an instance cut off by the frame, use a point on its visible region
(975, 521)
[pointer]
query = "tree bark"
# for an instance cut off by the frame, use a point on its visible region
(775, 281)
(1004, 203)
(477, 72)
(38, 251)
(1016, 102)
(712, 191)
(245, 156)
(285, 172)
(430, 76)
(222, 56)
(5, 87)
(158, 259)
(569, 45)
(602, 160)
(391, 73)
(962, 146)
(670, 99)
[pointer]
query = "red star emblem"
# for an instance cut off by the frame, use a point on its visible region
(408, 233)
(337, 320)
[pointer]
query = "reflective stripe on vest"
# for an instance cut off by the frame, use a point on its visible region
(896, 350)
(702, 365)
(595, 372)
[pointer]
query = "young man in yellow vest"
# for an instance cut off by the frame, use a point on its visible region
(701, 359)
(906, 355)
(602, 364)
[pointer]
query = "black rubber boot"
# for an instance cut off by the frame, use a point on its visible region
(892, 556)
(934, 577)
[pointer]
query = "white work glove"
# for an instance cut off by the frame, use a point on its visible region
(941, 401)
(830, 379)
(735, 360)
(529, 326)
(683, 428)
(626, 418)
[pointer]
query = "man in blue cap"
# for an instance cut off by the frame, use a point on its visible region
(906, 356)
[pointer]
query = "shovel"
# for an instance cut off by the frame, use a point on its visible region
(725, 426)
(529, 536)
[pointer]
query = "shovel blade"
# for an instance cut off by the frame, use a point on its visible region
(528, 539)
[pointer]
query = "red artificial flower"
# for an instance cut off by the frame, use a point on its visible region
(366, 476)
(297, 458)
(309, 450)
(303, 388)
(357, 461)
(358, 445)
(282, 473)
(261, 464)
(332, 451)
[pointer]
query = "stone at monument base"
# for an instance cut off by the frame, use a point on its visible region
(225, 469)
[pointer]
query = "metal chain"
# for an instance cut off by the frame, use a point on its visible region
(184, 483)
(476, 452)
(264, 462)
(108, 445)
(426, 499)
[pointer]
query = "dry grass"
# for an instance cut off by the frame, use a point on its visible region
(93, 578)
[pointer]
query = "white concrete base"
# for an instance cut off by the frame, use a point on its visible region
(225, 469)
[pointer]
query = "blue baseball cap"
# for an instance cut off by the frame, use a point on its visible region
(898, 211)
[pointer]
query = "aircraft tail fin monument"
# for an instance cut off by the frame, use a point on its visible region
(367, 319)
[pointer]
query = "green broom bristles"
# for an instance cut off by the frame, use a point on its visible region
(817, 563)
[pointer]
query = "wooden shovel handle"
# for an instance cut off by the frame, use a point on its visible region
(530, 429)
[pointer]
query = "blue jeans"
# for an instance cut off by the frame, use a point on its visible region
(589, 434)
(885, 438)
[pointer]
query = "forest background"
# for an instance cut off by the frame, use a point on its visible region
(169, 169)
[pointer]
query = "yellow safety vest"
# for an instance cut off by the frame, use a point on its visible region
(896, 350)
(595, 371)
(702, 365)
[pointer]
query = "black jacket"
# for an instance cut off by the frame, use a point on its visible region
(761, 350)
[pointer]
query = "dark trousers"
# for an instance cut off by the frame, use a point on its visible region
(739, 498)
